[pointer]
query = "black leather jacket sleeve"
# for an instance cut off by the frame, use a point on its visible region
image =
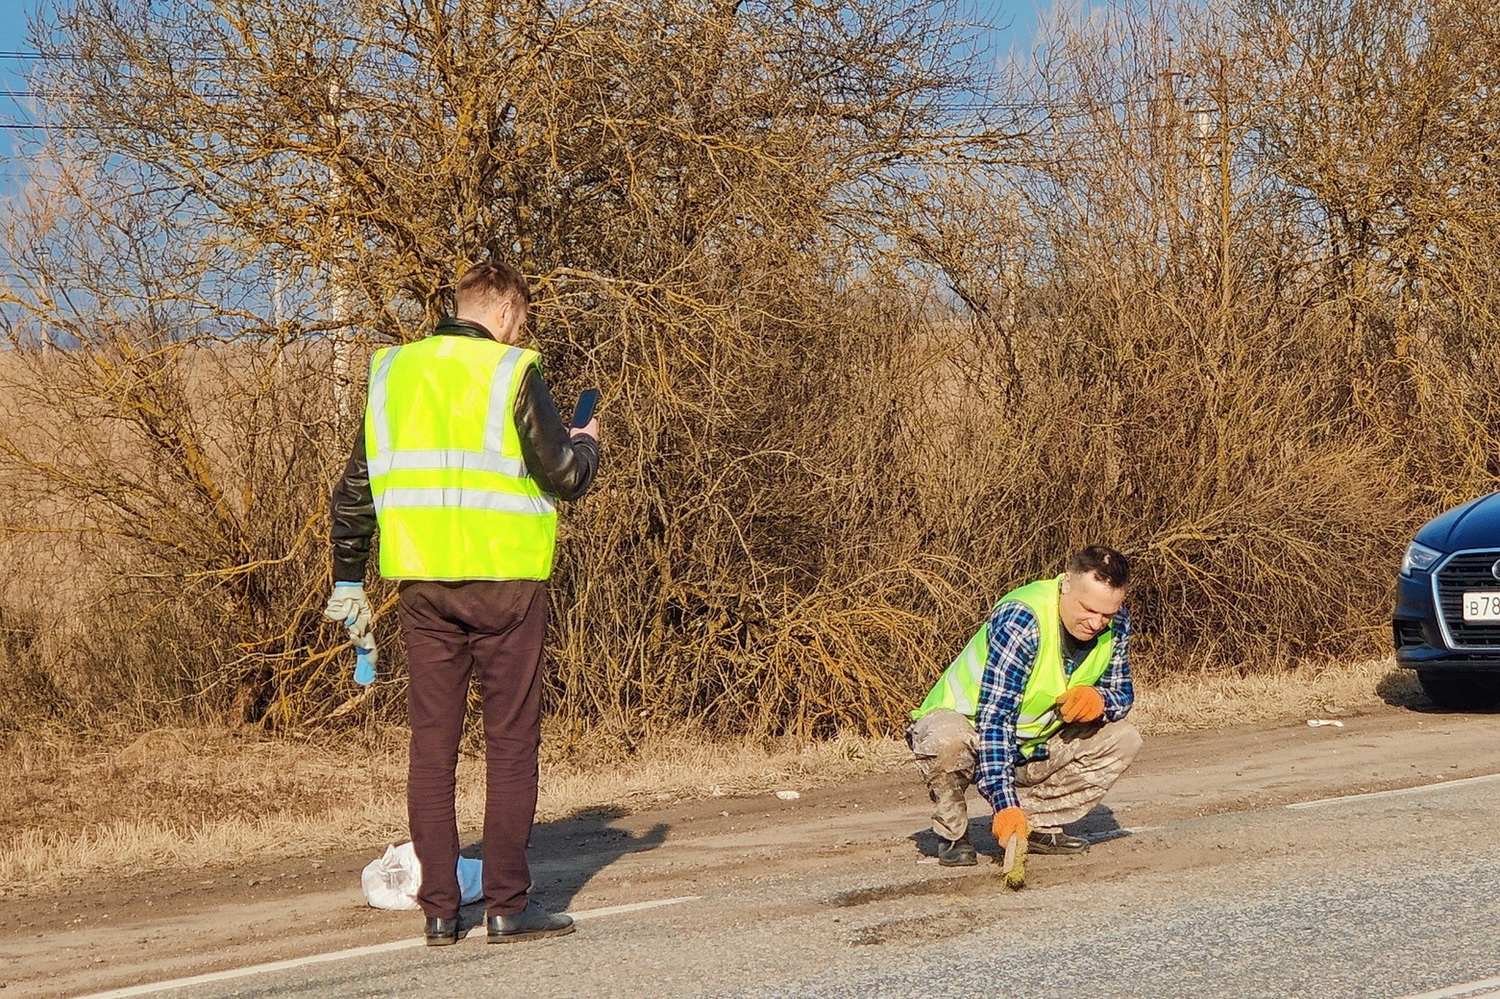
(563, 465)
(353, 515)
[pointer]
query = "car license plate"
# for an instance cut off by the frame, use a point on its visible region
(1482, 606)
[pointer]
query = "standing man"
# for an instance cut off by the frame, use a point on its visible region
(1032, 712)
(459, 461)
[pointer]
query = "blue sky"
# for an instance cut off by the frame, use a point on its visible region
(12, 79)
(1014, 24)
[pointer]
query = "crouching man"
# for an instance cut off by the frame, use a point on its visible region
(1032, 712)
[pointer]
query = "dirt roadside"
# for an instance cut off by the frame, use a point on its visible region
(87, 939)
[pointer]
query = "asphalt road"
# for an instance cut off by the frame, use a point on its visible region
(1388, 896)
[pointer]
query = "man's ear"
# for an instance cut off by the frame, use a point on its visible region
(1067, 582)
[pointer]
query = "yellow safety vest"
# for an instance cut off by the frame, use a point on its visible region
(452, 495)
(959, 686)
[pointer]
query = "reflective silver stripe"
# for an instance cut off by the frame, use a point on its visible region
(439, 459)
(967, 673)
(381, 423)
(961, 702)
(466, 499)
(1040, 722)
(499, 411)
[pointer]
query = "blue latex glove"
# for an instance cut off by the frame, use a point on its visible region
(364, 666)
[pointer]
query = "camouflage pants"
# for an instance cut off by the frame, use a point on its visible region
(1083, 762)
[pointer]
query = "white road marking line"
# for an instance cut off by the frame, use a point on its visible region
(615, 910)
(255, 969)
(1440, 785)
(339, 955)
(1469, 991)
(1125, 831)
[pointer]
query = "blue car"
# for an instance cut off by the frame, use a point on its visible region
(1447, 618)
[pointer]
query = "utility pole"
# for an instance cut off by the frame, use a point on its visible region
(1203, 125)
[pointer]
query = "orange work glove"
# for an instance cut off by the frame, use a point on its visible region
(1081, 704)
(1010, 822)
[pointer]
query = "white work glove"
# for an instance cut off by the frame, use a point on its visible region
(349, 606)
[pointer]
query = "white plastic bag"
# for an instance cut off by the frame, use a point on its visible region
(391, 882)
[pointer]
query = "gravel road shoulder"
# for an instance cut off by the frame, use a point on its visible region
(90, 938)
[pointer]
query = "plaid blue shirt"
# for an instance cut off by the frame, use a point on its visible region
(1014, 639)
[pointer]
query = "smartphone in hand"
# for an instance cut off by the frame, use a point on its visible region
(583, 412)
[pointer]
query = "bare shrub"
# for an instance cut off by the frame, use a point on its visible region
(1176, 345)
(683, 181)
(878, 337)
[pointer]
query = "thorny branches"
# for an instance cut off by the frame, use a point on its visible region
(879, 333)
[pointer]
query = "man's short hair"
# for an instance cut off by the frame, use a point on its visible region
(486, 285)
(1106, 563)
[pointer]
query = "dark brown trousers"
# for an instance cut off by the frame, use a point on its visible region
(494, 628)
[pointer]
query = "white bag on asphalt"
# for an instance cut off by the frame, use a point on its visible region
(391, 881)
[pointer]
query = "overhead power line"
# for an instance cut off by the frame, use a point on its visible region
(19, 54)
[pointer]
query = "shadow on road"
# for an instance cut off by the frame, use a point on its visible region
(1098, 826)
(567, 853)
(1399, 688)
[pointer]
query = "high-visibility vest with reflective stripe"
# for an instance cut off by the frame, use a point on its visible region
(958, 687)
(452, 495)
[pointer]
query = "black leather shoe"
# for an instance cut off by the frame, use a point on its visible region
(959, 853)
(531, 923)
(441, 932)
(1055, 841)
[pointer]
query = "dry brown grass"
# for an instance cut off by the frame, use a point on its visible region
(179, 797)
(201, 798)
(1196, 701)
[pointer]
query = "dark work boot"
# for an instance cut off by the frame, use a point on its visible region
(531, 923)
(1055, 841)
(441, 932)
(958, 853)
